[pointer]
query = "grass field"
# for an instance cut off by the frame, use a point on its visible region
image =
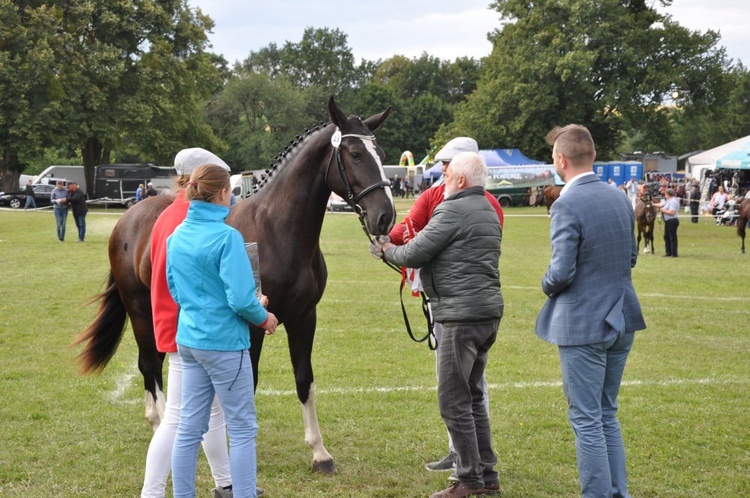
(685, 407)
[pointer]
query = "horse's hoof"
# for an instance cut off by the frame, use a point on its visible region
(324, 467)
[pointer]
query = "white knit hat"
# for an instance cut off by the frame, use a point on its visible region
(188, 159)
(458, 144)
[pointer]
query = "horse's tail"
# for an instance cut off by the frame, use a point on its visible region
(103, 335)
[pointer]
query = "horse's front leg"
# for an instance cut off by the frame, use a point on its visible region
(300, 335)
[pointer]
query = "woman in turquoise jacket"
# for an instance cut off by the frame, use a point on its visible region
(210, 278)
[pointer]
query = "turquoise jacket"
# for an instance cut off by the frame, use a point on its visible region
(210, 278)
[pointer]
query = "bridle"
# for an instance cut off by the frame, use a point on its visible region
(353, 201)
(351, 198)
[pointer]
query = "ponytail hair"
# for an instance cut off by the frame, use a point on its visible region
(206, 182)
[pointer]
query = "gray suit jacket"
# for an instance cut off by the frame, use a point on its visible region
(588, 281)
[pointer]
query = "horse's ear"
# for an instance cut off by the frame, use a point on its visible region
(374, 122)
(337, 115)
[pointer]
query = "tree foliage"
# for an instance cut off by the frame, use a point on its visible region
(256, 115)
(30, 85)
(609, 65)
(136, 73)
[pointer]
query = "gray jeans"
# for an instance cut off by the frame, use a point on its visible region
(438, 330)
(462, 358)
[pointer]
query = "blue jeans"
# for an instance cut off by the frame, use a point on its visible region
(30, 202)
(229, 375)
(591, 376)
(462, 358)
(81, 224)
(61, 215)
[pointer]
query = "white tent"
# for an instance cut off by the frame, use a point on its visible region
(696, 164)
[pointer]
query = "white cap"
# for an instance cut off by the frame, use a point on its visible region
(149, 184)
(188, 159)
(458, 144)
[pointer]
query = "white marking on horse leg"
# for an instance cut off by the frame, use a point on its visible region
(313, 438)
(155, 409)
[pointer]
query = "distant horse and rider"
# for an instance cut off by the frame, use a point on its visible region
(645, 216)
(286, 217)
(550, 194)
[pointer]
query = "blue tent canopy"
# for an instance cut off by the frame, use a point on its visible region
(507, 156)
(737, 159)
(493, 157)
(434, 172)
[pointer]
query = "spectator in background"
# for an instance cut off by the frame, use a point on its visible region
(59, 199)
(139, 193)
(718, 200)
(77, 201)
(694, 198)
(150, 191)
(396, 186)
(29, 191)
(669, 208)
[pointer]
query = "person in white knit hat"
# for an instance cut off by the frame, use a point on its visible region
(165, 312)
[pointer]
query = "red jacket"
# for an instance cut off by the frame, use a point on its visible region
(163, 308)
(421, 212)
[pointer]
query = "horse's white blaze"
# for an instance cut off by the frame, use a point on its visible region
(313, 438)
(370, 146)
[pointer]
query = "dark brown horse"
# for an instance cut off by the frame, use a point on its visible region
(285, 217)
(645, 216)
(551, 194)
(744, 212)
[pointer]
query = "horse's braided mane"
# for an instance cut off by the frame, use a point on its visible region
(274, 165)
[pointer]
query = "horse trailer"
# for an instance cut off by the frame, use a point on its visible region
(117, 183)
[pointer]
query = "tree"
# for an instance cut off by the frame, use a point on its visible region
(30, 86)
(256, 115)
(136, 72)
(609, 65)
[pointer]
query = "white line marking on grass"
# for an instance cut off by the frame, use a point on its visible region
(508, 385)
(539, 289)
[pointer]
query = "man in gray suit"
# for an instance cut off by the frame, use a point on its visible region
(592, 311)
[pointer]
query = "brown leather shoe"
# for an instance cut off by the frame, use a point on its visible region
(458, 490)
(493, 489)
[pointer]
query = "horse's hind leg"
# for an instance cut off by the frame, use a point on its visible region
(150, 363)
(300, 335)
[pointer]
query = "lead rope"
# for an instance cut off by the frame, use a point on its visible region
(353, 201)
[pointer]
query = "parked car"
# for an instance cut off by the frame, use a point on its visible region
(17, 200)
(336, 203)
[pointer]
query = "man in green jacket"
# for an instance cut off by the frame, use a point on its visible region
(458, 252)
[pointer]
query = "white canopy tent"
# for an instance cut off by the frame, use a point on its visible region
(696, 164)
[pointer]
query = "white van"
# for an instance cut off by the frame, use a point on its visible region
(65, 172)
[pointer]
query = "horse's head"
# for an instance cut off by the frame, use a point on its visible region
(358, 175)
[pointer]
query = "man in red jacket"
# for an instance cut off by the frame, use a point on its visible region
(418, 216)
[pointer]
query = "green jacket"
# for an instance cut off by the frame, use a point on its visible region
(458, 253)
